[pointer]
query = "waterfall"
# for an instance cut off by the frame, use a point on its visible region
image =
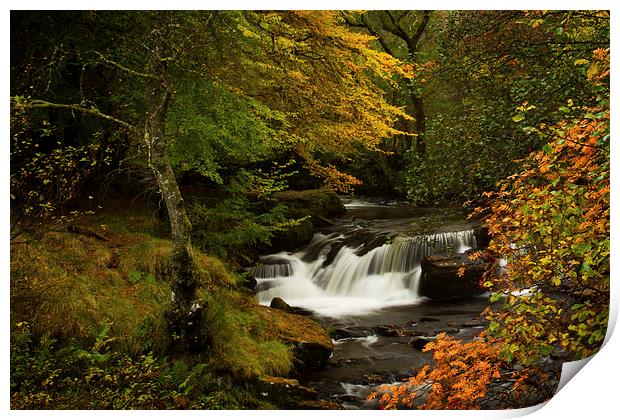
(351, 283)
(269, 271)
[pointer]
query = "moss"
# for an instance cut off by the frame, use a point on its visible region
(311, 345)
(65, 287)
(293, 327)
(68, 286)
(240, 340)
(316, 206)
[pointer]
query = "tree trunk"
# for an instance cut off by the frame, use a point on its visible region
(420, 126)
(185, 315)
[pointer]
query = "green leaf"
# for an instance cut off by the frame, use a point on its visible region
(581, 248)
(518, 117)
(548, 149)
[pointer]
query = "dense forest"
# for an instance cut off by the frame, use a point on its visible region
(306, 209)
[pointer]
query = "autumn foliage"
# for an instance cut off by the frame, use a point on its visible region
(550, 223)
(461, 375)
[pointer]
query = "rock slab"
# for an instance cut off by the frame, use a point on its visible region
(442, 280)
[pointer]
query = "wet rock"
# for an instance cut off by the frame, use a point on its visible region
(266, 285)
(272, 266)
(440, 278)
(428, 319)
(447, 330)
(389, 331)
(301, 311)
(342, 333)
(474, 323)
(347, 398)
(279, 303)
(250, 282)
(283, 391)
(372, 379)
(468, 324)
(483, 238)
(274, 260)
(333, 251)
(418, 343)
(317, 405)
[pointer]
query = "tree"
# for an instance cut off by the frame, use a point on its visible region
(308, 89)
(487, 67)
(399, 33)
(550, 222)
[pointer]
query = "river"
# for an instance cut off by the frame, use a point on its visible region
(359, 278)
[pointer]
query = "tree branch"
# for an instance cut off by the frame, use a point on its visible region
(366, 25)
(37, 103)
(374, 33)
(126, 69)
(418, 34)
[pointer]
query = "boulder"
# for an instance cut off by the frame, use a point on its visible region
(311, 345)
(388, 331)
(483, 238)
(316, 405)
(250, 282)
(440, 278)
(283, 391)
(419, 342)
(279, 303)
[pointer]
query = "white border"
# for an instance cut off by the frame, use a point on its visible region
(591, 394)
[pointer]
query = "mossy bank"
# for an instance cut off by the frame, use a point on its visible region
(88, 326)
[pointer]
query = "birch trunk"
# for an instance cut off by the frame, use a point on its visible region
(184, 318)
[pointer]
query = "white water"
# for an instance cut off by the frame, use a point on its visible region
(388, 275)
(363, 341)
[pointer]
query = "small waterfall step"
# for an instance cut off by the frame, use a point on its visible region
(347, 281)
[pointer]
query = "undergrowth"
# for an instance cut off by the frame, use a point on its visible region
(88, 325)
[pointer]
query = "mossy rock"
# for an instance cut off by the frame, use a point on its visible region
(311, 344)
(282, 391)
(315, 207)
(292, 238)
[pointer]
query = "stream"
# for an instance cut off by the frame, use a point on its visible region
(359, 278)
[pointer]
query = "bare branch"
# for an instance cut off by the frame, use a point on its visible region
(37, 103)
(126, 69)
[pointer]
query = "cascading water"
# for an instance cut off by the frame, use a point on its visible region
(353, 282)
